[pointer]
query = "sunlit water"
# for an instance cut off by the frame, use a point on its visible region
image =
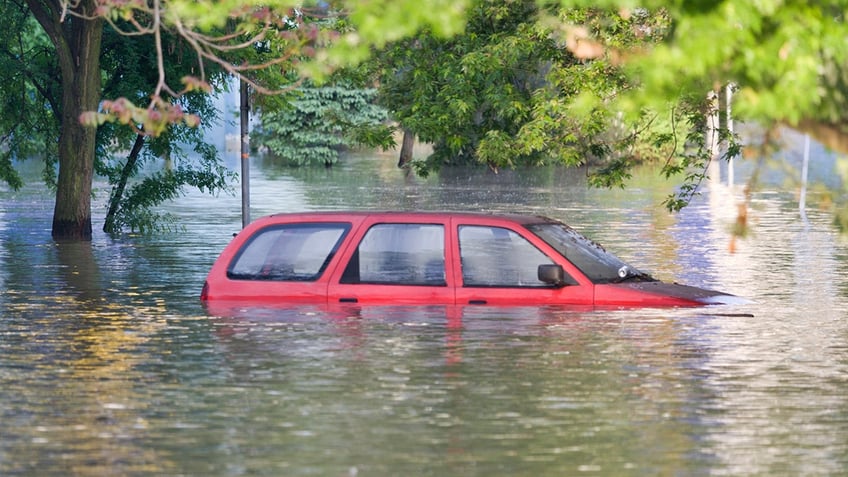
(109, 365)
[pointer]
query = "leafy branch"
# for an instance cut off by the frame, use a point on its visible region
(253, 39)
(694, 162)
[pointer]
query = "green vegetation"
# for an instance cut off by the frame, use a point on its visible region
(26, 127)
(156, 168)
(32, 95)
(59, 44)
(319, 122)
(524, 85)
(503, 92)
(499, 82)
(786, 59)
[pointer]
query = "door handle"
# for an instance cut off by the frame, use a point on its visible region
(476, 302)
(348, 300)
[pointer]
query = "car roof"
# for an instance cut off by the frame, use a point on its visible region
(399, 215)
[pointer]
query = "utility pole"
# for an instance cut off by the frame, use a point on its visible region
(244, 110)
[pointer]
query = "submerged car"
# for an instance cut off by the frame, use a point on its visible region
(432, 258)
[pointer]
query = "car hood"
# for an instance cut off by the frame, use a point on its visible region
(661, 293)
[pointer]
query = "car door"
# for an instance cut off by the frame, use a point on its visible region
(498, 264)
(395, 259)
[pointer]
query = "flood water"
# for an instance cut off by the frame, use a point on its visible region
(110, 365)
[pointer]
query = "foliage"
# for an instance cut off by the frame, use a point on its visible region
(543, 83)
(692, 163)
(224, 34)
(321, 121)
(249, 38)
(626, 59)
(32, 101)
(777, 52)
(136, 208)
(785, 58)
(28, 123)
(504, 92)
(132, 74)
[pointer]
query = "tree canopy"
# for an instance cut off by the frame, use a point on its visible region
(522, 76)
(504, 91)
(787, 59)
(57, 47)
(27, 127)
(31, 90)
(266, 44)
(319, 123)
(616, 81)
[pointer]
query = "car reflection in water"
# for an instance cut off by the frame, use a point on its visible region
(272, 330)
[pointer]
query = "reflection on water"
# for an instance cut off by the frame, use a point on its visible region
(109, 365)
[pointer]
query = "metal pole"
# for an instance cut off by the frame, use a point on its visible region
(244, 109)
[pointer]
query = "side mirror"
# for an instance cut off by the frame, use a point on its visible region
(552, 274)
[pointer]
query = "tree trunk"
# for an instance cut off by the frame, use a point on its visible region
(78, 42)
(72, 213)
(118, 191)
(406, 148)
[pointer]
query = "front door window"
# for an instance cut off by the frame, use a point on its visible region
(498, 257)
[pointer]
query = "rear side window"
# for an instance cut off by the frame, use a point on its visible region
(498, 257)
(399, 254)
(291, 252)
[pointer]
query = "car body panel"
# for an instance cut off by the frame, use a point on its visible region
(657, 294)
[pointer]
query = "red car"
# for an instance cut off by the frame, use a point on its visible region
(431, 258)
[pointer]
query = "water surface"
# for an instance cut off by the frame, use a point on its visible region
(109, 364)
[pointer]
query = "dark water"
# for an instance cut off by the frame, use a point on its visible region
(109, 365)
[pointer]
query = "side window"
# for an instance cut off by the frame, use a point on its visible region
(292, 252)
(399, 254)
(498, 257)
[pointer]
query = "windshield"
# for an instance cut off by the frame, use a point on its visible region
(596, 263)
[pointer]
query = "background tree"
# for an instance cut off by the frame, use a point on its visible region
(218, 32)
(786, 58)
(504, 92)
(787, 61)
(157, 168)
(776, 52)
(76, 43)
(29, 100)
(320, 122)
(31, 92)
